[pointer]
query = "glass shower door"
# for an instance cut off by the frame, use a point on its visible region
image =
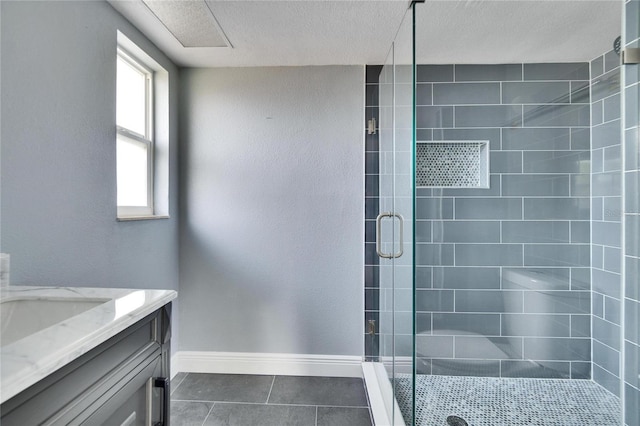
(394, 223)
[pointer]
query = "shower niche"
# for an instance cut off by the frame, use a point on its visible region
(452, 164)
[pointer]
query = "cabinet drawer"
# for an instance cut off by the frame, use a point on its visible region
(133, 401)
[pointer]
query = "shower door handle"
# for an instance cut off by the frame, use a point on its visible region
(378, 234)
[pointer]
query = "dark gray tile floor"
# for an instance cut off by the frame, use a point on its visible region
(253, 400)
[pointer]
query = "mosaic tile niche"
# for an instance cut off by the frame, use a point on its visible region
(452, 164)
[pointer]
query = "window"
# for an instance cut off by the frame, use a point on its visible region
(141, 134)
(134, 147)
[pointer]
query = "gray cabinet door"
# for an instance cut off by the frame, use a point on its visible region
(137, 403)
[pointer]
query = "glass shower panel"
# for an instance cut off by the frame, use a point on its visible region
(395, 219)
(518, 231)
(631, 330)
(504, 277)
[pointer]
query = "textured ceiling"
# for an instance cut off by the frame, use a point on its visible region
(323, 32)
(272, 33)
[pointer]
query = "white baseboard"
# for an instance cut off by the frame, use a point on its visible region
(174, 365)
(266, 363)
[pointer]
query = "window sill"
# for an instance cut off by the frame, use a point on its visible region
(132, 218)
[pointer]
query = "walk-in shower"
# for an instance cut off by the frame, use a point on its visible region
(502, 237)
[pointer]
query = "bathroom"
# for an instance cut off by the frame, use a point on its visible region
(271, 171)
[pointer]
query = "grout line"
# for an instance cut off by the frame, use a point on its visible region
(270, 389)
(173, 389)
(208, 414)
(274, 404)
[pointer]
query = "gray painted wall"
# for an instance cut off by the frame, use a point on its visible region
(58, 217)
(271, 236)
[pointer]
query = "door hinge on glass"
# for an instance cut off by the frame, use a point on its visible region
(631, 56)
(372, 327)
(371, 127)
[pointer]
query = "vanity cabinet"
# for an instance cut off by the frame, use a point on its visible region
(122, 382)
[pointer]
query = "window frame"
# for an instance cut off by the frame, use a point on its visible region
(146, 139)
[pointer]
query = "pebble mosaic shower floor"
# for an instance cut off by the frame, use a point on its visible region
(483, 401)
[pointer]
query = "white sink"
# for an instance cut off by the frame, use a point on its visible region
(20, 318)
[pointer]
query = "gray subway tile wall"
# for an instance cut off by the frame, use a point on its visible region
(484, 116)
(488, 347)
(434, 116)
(606, 227)
(515, 257)
(488, 255)
(488, 208)
(580, 325)
(506, 162)
(562, 349)
(631, 169)
(434, 346)
(465, 94)
(580, 92)
(632, 267)
(632, 187)
(434, 300)
(467, 231)
(558, 302)
(434, 73)
(632, 361)
(605, 282)
(465, 277)
(605, 379)
(372, 203)
(489, 72)
(556, 71)
(606, 134)
(551, 278)
(559, 287)
(491, 135)
(581, 138)
(460, 324)
(465, 367)
(556, 115)
(549, 162)
(488, 301)
(536, 325)
(534, 139)
(556, 208)
(556, 255)
(531, 231)
(538, 185)
(539, 369)
(536, 92)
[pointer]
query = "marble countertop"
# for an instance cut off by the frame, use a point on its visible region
(28, 360)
